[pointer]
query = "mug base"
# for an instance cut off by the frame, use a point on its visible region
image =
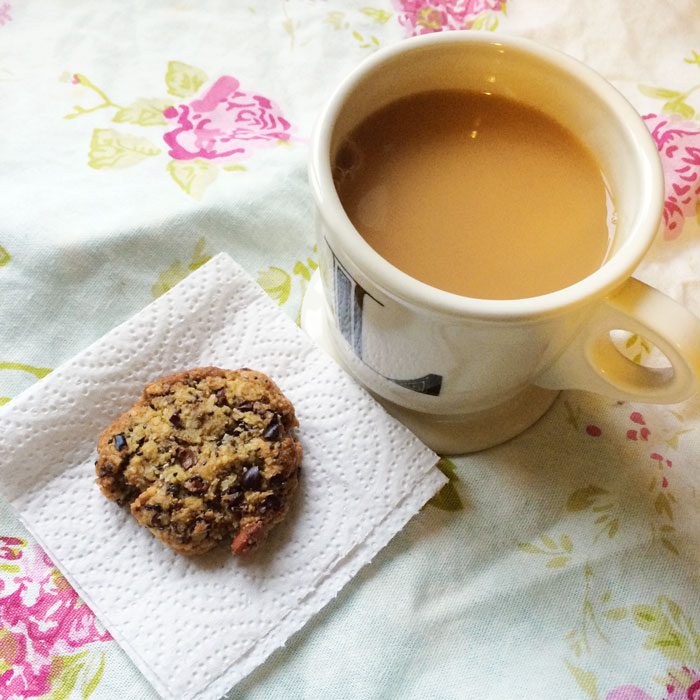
(446, 434)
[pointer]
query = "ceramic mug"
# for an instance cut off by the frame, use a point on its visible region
(466, 373)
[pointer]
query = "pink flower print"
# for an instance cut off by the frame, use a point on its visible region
(5, 15)
(644, 433)
(425, 16)
(687, 687)
(41, 618)
(225, 122)
(678, 143)
(628, 692)
(11, 548)
(21, 678)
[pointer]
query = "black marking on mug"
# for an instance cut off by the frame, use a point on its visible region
(429, 384)
(349, 305)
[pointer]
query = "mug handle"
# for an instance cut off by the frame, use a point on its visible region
(593, 363)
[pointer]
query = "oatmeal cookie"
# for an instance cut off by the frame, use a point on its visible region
(206, 455)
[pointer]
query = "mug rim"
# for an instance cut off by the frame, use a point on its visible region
(401, 285)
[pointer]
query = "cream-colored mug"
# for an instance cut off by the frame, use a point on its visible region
(468, 373)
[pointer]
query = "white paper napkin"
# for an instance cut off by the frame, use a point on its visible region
(197, 626)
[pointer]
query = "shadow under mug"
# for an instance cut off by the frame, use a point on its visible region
(467, 373)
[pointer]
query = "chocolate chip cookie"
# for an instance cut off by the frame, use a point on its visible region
(206, 455)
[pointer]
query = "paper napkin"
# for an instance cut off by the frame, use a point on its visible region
(196, 626)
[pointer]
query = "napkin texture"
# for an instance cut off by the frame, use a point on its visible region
(196, 626)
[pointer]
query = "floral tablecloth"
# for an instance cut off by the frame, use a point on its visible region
(140, 139)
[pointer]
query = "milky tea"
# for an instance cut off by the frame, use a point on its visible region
(475, 194)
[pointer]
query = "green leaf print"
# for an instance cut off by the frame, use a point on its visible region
(694, 58)
(67, 669)
(277, 284)
(586, 680)
(485, 21)
(379, 16)
(662, 93)
(559, 554)
(647, 617)
(184, 80)
(104, 103)
(558, 562)
(91, 679)
(675, 101)
(530, 548)
(549, 543)
(662, 505)
(38, 372)
(302, 270)
(144, 112)
(615, 613)
(447, 498)
(371, 42)
(177, 271)
(670, 631)
(193, 176)
(116, 150)
(199, 257)
(83, 670)
(5, 257)
(584, 498)
(679, 107)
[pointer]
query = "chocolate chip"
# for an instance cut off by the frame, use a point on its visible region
(120, 441)
(274, 429)
(186, 458)
(172, 489)
(232, 499)
(244, 369)
(237, 427)
(221, 397)
(175, 420)
(245, 406)
(196, 484)
(252, 479)
(159, 521)
(154, 507)
(278, 481)
(271, 503)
